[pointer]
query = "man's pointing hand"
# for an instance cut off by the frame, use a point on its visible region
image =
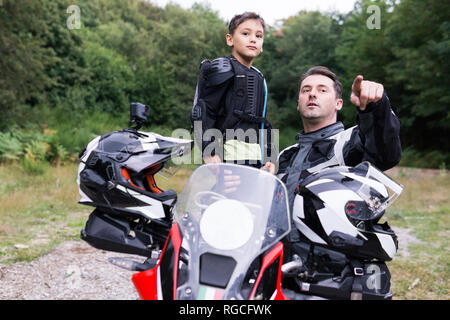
(364, 92)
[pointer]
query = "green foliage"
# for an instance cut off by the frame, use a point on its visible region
(363, 51)
(420, 37)
(306, 40)
(409, 56)
(36, 149)
(425, 159)
(10, 147)
(23, 58)
(110, 77)
(73, 130)
(34, 159)
(287, 137)
(80, 82)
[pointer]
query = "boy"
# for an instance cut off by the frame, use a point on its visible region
(231, 98)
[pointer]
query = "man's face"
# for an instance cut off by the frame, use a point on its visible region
(247, 40)
(317, 101)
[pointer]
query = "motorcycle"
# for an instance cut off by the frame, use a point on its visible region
(227, 234)
(225, 241)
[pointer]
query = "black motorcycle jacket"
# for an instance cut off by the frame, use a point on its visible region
(375, 138)
(229, 96)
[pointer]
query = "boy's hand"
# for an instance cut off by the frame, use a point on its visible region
(230, 181)
(269, 167)
(212, 159)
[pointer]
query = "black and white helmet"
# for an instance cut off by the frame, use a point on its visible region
(340, 207)
(117, 169)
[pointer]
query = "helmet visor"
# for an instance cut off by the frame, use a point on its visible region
(374, 187)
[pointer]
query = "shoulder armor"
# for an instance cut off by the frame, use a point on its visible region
(220, 65)
(219, 71)
(286, 153)
(285, 157)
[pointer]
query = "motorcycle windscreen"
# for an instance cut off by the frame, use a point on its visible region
(228, 214)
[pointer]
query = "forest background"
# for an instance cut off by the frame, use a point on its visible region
(67, 76)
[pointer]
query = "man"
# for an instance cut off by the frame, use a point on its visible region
(324, 141)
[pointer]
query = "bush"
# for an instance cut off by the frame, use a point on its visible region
(10, 147)
(35, 150)
(425, 159)
(34, 165)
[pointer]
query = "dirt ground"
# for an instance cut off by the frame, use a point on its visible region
(72, 271)
(76, 271)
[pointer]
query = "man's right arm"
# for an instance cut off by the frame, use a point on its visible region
(376, 138)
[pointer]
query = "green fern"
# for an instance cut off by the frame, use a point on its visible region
(10, 147)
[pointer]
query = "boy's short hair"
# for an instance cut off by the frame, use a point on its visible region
(240, 18)
(327, 73)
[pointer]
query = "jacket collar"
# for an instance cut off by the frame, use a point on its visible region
(322, 133)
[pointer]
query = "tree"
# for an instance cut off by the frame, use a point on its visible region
(23, 59)
(182, 39)
(305, 40)
(364, 49)
(419, 34)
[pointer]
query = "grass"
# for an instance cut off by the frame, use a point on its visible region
(423, 209)
(38, 212)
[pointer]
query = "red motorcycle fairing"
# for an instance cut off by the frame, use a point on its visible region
(274, 258)
(159, 284)
(149, 284)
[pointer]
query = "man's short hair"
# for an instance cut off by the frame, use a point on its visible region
(240, 18)
(327, 73)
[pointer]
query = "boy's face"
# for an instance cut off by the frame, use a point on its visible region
(246, 41)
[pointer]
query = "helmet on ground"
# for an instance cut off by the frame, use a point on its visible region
(339, 207)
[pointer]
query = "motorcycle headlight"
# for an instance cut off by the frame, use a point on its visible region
(226, 224)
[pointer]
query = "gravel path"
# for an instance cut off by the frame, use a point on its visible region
(72, 271)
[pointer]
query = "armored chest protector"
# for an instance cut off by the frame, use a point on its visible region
(245, 101)
(238, 96)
